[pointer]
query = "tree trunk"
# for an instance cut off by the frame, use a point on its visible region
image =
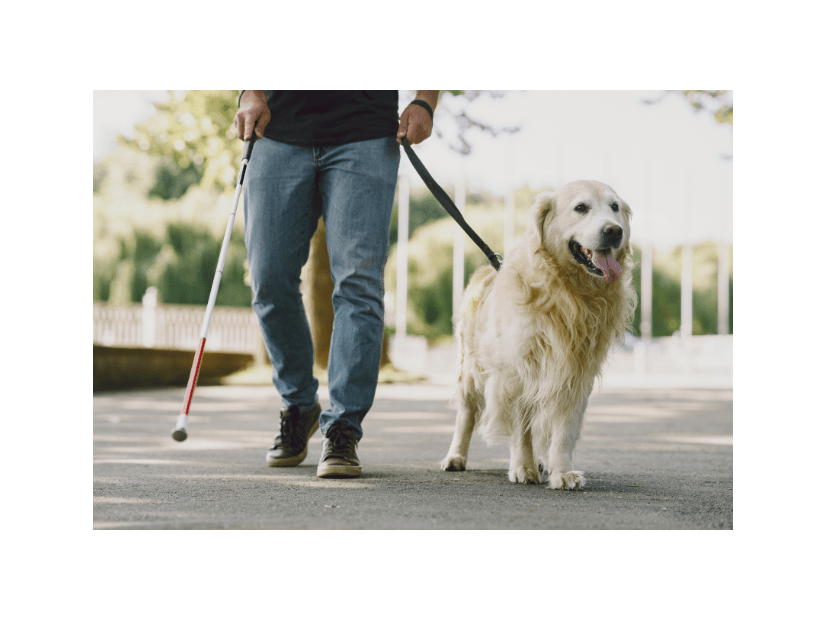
(317, 285)
(385, 355)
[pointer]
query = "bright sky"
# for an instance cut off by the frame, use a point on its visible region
(670, 164)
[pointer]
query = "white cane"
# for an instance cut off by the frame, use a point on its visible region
(179, 434)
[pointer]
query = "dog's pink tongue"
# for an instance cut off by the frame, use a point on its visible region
(607, 265)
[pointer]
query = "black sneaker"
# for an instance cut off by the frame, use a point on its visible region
(338, 454)
(290, 445)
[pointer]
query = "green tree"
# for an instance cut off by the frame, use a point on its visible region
(187, 278)
(195, 139)
(181, 265)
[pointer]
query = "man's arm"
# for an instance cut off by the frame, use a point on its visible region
(253, 114)
(415, 122)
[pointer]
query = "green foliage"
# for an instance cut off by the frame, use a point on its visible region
(430, 266)
(195, 139)
(172, 182)
(181, 266)
(103, 274)
(665, 311)
(143, 252)
(161, 204)
(188, 278)
(720, 103)
(430, 279)
(667, 270)
(147, 191)
(424, 208)
(99, 174)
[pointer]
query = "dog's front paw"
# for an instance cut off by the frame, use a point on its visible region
(524, 475)
(572, 480)
(454, 463)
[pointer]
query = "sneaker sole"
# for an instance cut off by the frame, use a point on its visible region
(293, 460)
(339, 471)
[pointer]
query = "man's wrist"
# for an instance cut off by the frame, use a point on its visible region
(423, 104)
(431, 97)
(250, 93)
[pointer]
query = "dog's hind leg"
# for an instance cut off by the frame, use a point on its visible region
(456, 458)
(470, 402)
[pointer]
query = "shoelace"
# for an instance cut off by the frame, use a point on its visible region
(288, 431)
(339, 439)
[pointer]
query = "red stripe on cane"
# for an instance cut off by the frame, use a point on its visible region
(193, 377)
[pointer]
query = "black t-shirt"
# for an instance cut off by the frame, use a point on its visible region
(331, 117)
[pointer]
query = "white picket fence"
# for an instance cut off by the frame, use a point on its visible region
(175, 326)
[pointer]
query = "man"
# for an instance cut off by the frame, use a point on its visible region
(330, 154)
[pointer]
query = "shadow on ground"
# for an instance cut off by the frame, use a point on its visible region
(654, 459)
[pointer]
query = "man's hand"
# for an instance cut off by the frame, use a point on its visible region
(415, 123)
(253, 114)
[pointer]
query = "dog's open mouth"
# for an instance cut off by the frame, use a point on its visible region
(597, 262)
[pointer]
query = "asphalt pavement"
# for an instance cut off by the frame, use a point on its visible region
(654, 457)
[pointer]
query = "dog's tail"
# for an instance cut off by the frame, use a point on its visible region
(476, 291)
(477, 288)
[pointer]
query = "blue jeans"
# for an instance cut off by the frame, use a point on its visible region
(287, 188)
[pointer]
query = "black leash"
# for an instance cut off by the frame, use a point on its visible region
(440, 194)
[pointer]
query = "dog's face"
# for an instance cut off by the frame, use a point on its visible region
(585, 225)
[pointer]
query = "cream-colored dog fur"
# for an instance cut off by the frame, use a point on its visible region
(535, 334)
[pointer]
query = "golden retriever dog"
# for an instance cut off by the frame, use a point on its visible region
(535, 334)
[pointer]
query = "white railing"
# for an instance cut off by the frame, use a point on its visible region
(174, 326)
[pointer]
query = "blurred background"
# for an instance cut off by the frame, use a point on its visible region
(165, 166)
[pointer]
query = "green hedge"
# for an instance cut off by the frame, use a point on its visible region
(181, 265)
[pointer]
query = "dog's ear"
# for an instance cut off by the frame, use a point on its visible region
(542, 208)
(628, 213)
(626, 209)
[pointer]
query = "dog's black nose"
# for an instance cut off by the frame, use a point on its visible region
(612, 235)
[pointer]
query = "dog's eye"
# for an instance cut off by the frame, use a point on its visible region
(581, 208)
(615, 207)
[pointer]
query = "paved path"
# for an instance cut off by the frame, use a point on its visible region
(654, 459)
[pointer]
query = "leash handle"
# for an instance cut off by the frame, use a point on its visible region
(440, 194)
